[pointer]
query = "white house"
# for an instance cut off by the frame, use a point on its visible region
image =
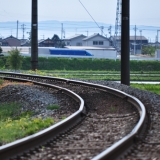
(76, 40)
(96, 40)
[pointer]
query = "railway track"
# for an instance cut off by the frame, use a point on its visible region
(93, 133)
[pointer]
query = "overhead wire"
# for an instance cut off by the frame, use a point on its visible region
(92, 17)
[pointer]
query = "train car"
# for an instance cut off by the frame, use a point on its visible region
(71, 52)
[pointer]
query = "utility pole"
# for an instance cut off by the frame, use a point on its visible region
(64, 33)
(34, 35)
(157, 38)
(87, 33)
(110, 30)
(61, 31)
(17, 33)
(157, 35)
(118, 24)
(42, 36)
(141, 39)
(135, 29)
(102, 30)
(125, 47)
(23, 29)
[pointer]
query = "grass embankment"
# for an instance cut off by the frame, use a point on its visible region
(15, 124)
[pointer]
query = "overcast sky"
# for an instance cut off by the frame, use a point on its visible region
(142, 12)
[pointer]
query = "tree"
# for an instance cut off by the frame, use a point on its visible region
(150, 50)
(57, 41)
(15, 59)
(1, 50)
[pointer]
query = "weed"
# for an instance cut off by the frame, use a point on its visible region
(112, 109)
(8, 110)
(10, 130)
(1, 81)
(63, 117)
(52, 107)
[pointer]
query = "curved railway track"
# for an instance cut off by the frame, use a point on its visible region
(87, 134)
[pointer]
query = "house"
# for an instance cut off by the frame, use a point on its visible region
(3, 43)
(135, 43)
(155, 44)
(139, 40)
(11, 41)
(25, 42)
(46, 43)
(96, 40)
(76, 40)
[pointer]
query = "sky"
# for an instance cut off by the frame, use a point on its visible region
(142, 12)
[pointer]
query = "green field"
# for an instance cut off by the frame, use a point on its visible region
(99, 75)
(155, 88)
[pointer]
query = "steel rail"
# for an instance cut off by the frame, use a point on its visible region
(30, 142)
(119, 148)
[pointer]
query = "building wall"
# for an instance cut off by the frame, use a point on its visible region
(21, 49)
(157, 53)
(98, 39)
(74, 42)
(103, 53)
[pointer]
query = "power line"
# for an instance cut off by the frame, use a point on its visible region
(92, 17)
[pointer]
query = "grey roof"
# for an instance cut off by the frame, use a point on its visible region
(11, 37)
(75, 36)
(24, 41)
(94, 35)
(42, 40)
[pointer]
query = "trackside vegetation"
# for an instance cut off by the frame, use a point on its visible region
(53, 107)
(90, 69)
(13, 126)
(84, 64)
(89, 64)
(14, 60)
(148, 87)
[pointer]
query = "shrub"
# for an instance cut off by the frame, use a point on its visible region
(1, 50)
(15, 59)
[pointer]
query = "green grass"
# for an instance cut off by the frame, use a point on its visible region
(10, 130)
(155, 88)
(13, 126)
(112, 109)
(99, 75)
(1, 81)
(52, 107)
(8, 110)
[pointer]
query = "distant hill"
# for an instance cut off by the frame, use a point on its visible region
(49, 28)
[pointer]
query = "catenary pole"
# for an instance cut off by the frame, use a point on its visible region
(125, 46)
(34, 35)
(17, 34)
